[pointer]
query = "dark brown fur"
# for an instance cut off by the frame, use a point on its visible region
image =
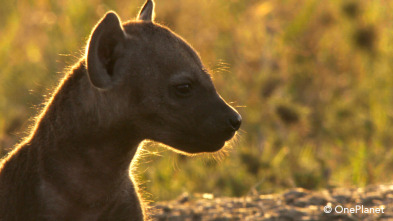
(130, 87)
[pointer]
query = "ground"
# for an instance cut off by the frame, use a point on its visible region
(293, 204)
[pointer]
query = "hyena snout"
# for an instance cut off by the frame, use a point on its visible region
(230, 120)
(235, 121)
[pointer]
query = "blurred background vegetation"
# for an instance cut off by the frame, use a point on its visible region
(312, 80)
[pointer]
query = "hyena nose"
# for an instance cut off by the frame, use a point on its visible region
(235, 122)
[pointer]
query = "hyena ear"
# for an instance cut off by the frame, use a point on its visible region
(103, 50)
(147, 11)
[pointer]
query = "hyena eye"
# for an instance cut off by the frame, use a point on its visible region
(183, 89)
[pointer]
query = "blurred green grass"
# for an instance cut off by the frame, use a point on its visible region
(312, 80)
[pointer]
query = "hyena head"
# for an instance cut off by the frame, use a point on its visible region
(158, 84)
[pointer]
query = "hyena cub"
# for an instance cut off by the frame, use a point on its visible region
(138, 81)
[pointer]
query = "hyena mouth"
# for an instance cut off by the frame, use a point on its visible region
(233, 134)
(222, 140)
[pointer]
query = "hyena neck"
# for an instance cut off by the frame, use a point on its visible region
(83, 158)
